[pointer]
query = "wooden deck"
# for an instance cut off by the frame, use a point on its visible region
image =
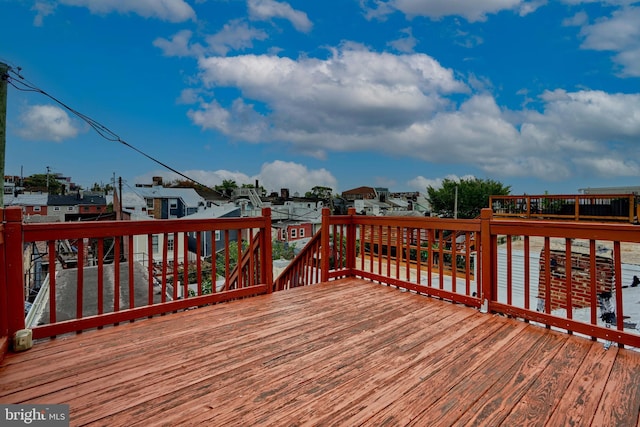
(343, 353)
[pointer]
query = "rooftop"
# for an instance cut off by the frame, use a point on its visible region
(324, 355)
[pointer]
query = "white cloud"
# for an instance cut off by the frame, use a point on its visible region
(273, 176)
(179, 45)
(46, 123)
(241, 121)
(618, 33)
(42, 9)
(592, 115)
(165, 10)
(579, 19)
(436, 9)
(235, 35)
(530, 6)
(316, 104)
(400, 105)
(604, 166)
(404, 44)
(294, 176)
(264, 10)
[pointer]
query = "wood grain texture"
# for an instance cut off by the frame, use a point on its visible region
(347, 352)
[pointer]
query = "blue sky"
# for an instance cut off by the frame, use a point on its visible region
(540, 95)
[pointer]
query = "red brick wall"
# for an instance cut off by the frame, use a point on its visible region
(580, 278)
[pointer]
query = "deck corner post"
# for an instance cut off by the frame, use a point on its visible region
(324, 244)
(267, 261)
(14, 275)
(486, 259)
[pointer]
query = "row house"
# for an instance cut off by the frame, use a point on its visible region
(54, 208)
(292, 231)
(77, 207)
(164, 203)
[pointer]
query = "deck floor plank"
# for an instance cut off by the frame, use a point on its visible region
(538, 403)
(347, 352)
(582, 397)
(387, 391)
(239, 355)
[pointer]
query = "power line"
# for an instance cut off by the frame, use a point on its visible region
(22, 84)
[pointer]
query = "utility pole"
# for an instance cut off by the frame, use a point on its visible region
(120, 198)
(4, 76)
(455, 204)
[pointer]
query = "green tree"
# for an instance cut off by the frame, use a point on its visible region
(38, 182)
(233, 258)
(227, 187)
(281, 250)
(473, 195)
(320, 192)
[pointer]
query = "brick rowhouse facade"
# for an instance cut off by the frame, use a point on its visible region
(580, 278)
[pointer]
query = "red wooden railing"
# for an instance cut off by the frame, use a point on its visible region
(166, 275)
(577, 207)
(502, 266)
(553, 273)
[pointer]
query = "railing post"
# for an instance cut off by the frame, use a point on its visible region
(486, 257)
(267, 251)
(324, 244)
(351, 242)
(4, 325)
(14, 274)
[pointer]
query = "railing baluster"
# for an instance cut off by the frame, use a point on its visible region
(174, 270)
(80, 279)
(131, 272)
(568, 256)
(509, 271)
(165, 266)
(53, 256)
(593, 284)
(150, 268)
(547, 275)
(100, 243)
(185, 265)
(617, 263)
(227, 260)
(199, 261)
(116, 273)
(527, 278)
(454, 261)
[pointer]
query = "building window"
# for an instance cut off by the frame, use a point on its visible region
(217, 235)
(173, 204)
(149, 203)
(170, 242)
(36, 208)
(301, 233)
(56, 208)
(154, 243)
(86, 208)
(293, 233)
(70, 208)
